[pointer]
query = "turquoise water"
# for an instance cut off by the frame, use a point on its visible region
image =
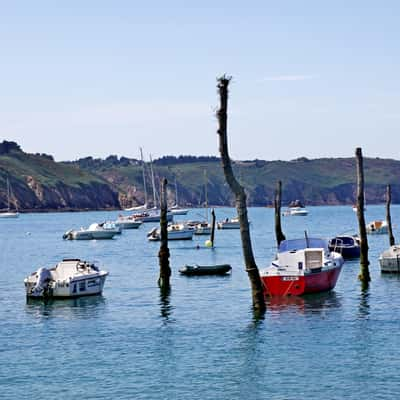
(202, 341)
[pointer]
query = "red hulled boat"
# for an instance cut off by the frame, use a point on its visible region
(302, 266)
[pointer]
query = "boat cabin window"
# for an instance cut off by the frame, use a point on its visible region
(82, 286)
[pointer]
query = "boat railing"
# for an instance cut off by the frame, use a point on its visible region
(338, 247)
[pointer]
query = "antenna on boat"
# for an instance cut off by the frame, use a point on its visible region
(307, 241)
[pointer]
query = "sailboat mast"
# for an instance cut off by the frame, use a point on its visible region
(8, 194)
(144, 177)
(176, 193)
(153, 183)
(206, 193)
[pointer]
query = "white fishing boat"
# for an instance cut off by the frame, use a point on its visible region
(69, 278)
(302, 266)
(389, 260)
(127, 222)
(296, 208)
(377, 228)
(175, 232)
(94, 232)
(229, 223)
(202, 228)
(9, 213)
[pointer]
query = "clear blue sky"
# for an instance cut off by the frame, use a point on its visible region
(311, 78)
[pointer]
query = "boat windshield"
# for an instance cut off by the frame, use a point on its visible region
(299, 244)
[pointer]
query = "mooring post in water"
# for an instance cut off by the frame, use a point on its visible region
(364, 275)
(240, 196)
(163, 254)
(277, 205)
(212, 227)
(388, 216)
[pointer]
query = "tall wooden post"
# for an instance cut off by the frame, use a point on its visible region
(277, 204)
(364, 275)
(212, 228)
(388, 216)
(240, 197)
(163, 254)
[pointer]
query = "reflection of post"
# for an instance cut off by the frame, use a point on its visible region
(163, 254)
(212, 227)
(165, 306)
(388, 216)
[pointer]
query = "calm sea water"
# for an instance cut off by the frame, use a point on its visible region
(202, 341)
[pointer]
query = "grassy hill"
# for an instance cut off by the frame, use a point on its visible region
(39, 182)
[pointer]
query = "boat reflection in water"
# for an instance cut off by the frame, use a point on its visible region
(78, 307)
(318, 302)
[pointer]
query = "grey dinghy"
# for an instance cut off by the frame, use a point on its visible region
(221, 269)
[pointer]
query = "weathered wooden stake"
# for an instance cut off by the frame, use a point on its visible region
(163, 254)
(388, 216)
(212, 228)
(240, 197)
(364, 275)
(277, 203)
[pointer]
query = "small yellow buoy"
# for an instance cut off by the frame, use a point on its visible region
(208, 243)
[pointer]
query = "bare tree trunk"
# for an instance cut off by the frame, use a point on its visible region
(277, 203)
(240, 197)
(212, 228)
(163, 254)
(388, 216)
(364, 275)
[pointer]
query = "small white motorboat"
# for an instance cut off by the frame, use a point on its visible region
(389, 260)
(127, 222)
(175, 232)
(377, 228)
(202, 228)
(232, 223)
(69, 278)
(94, 232)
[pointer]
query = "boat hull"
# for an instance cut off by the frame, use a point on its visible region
(128, 224)
(296, 285)
(9, 215)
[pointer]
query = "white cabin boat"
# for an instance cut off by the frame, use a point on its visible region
(232, 223)
(69, 278)
(302, 266)
(389, 260)
(127, 222)
(175, 232)
(94, 232)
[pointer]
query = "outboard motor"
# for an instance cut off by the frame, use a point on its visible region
(67, 235)
(152, 233)
(42, 282)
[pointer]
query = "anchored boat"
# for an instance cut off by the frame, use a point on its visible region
(347, 245)
(191, 270)
(95, 231)
(69, 278)
(389, 260)
(302, 266)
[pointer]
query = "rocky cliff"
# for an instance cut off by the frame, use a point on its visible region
(39, 183)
